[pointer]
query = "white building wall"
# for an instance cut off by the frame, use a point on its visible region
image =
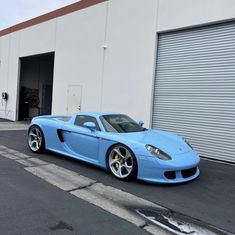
(119, 78)
(129, 58)
(37, 39)
(12, 75)
(188, 13)
(9, 48)
(79, 57)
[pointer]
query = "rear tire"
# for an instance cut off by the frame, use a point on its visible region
(36, 141)
(122, 162)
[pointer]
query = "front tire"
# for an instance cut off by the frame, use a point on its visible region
(122, 162)
(36, 141)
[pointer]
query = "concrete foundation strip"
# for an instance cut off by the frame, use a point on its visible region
(13, 126)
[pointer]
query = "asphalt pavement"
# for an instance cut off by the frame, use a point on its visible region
(30, 205)
(210, 198)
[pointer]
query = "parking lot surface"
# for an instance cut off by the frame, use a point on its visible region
(210, 198)
(31, 206)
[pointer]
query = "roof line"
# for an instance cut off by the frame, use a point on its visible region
(51, 15)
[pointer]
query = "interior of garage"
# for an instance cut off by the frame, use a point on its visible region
(35, 86)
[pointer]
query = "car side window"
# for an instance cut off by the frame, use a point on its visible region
(81, 119)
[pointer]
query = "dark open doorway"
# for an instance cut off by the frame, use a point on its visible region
(36, 84)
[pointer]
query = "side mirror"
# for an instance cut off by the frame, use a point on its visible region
(141, 123)
(90, 125)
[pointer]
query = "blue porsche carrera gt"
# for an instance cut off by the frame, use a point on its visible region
(116, 142)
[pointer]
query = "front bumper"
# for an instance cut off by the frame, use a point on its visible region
(184, 169)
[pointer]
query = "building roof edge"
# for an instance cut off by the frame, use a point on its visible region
(51, 15)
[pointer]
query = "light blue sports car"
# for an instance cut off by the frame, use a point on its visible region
(115, 142)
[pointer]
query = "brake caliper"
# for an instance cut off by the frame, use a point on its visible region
(116, 157)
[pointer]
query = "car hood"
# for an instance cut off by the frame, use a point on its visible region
(166, 141)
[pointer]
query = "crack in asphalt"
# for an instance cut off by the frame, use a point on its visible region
(82, 187)
(61, 225)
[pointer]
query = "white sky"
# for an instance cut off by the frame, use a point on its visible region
(16, 11)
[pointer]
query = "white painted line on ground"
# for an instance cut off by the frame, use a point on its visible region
(25, 163)
(10, 156)
(22, 155)
(11, 151)
(15, 155)
(60, 177)
(3, 147)
(32, 162)
(109, 193)
(37, 161)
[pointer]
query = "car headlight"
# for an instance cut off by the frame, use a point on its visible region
(186, 141)
(157, 152)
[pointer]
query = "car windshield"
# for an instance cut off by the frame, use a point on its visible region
(120, 123)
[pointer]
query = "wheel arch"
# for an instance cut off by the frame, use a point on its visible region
(35, 124)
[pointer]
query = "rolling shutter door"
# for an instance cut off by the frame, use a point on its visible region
(194, 91)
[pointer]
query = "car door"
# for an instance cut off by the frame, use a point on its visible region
(82, 141)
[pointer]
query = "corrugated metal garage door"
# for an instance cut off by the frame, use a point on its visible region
(194, 92)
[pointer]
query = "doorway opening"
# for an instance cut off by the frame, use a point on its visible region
(36, 85)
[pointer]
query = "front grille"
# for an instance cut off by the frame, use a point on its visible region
(189, 172)
(170, 175)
